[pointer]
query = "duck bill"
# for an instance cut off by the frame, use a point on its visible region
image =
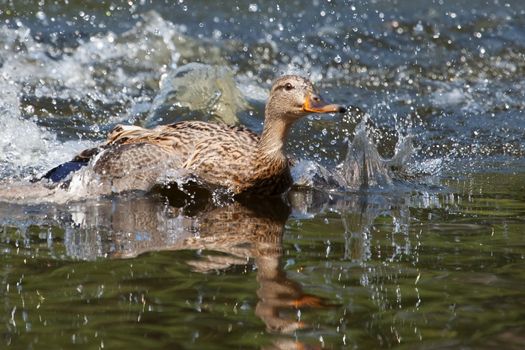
(314, 104)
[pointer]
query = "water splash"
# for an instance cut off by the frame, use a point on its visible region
(52, 98)
(363, 168)
(25, 147)
(201, 89)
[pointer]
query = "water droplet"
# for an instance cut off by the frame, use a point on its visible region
(418, 28)
(337, 59)
(41, 15)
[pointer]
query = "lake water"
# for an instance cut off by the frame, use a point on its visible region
(434, 261)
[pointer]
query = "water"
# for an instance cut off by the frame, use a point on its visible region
(430, 254)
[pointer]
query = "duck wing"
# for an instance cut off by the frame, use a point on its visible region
(132, 166)
(121, 134)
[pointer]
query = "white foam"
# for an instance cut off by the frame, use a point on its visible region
(25, 147)
(448, 98)
(250, 89)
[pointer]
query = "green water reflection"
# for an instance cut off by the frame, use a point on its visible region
(423, 269)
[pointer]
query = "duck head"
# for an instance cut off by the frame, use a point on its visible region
(293, 97)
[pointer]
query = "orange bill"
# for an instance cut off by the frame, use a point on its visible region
(314, 104)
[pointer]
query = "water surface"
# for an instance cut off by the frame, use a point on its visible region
(430, 262)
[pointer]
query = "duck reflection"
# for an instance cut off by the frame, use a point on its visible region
(242, 230)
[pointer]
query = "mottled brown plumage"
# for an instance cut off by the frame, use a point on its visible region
(229, 156)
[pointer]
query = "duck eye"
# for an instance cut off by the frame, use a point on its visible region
(288, 87)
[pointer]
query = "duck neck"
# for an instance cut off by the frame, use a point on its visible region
(273, 138)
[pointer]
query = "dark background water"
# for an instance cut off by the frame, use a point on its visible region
(422, 266)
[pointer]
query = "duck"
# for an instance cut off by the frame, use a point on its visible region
(227, 156)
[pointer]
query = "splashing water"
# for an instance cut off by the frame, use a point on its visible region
(26, 148)
(199, 88)
(386, 256)
(137, 75)
(364, 168)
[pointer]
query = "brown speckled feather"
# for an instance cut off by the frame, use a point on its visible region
(219, 154)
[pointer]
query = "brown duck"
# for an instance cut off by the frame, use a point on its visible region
(134, 158)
